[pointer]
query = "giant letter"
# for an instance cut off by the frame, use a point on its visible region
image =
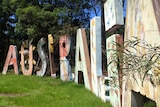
(11, 59)
(51, 58)
(96, 53)
(42, 55)
(29, 53)
(82, 59)
(142, 21)
(65, 68)
(115, 94)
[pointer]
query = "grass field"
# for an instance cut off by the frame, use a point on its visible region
(33, 91)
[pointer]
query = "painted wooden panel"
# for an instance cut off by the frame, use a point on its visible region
(82, 59)
(156, 7)
(113, 13)
(50, 43)
(115, 93)
(43, 57)
(51, 57)
(11, 59)
(65, 67)
(103, 88)
(142, 22)
(29, 53)
(96, 52)
(64, 45)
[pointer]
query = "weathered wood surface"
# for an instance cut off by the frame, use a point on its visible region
(142, 21)
(82, 59)
(28, 53)
(51, 55)
(95, 53)
(11, 59)
(113, 14)
(64, 49)
(113, 71)
(42, 56)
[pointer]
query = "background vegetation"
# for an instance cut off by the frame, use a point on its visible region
(136, 56)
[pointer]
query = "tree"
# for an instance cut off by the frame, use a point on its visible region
(7, 22)
(57, 17)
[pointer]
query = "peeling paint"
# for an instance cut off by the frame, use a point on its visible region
(11, 59)
(30, 60)
(51, 57)
(96, 55)
(113, 13)
(115, 91)
(141, 22)
(65, 67)
(42, 56)
(82, 59)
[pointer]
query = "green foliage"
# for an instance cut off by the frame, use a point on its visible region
(34, 22)
(33, 91)
(6, 28)
(58, 18)
(137, 56)
(150, 104)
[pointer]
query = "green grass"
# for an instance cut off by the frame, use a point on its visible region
(150, 104)
(34, 91)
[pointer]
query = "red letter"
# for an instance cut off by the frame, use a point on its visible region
(11, 59)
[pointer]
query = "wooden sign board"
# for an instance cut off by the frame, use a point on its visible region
(113, 14)
(96, 52)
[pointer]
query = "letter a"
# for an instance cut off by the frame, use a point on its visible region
(82, 59)
(11, 59)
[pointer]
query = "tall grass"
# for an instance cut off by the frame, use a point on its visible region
(33, 91)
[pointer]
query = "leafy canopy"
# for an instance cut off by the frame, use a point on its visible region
(42, 17)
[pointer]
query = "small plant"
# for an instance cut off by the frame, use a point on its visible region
(137, 56)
